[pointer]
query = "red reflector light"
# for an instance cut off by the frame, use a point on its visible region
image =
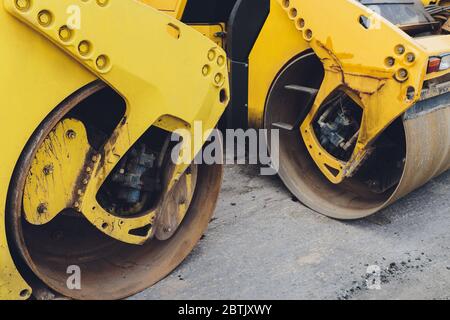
(433, 64)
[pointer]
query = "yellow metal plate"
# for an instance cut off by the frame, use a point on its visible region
(56, 173)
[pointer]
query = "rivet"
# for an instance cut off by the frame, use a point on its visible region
(70, 134)
(65, 34)
(410, 57)
(167, 230)
(400, 49)
(23, 5)
(221, 60)
(102, 3)
(25, 293)
(301, 23)
(102, 62)
(402, 74)
(218, 78)
(205, 70)
(390, 61)
(45, 18)
(84, 48)
(293, 13)
(211, 55)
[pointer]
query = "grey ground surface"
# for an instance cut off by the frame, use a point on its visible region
(264, 245)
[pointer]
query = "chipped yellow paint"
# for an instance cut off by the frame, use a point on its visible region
(54, 178)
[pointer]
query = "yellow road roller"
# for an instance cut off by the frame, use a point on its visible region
(357, 89)
(360, 96)
(94, 206)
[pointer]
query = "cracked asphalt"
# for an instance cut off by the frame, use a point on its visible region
(263, 244)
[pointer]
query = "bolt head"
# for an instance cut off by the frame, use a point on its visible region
(65, 34)
(410, 57)
(218, 78)
(205, 70)
(390, 61)
(84, 48)
(23, 5)
(70, 134)
(403, 73)
(211, 55)
(45, 18)
(221, 60)
(400, 49)
(102, 62)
